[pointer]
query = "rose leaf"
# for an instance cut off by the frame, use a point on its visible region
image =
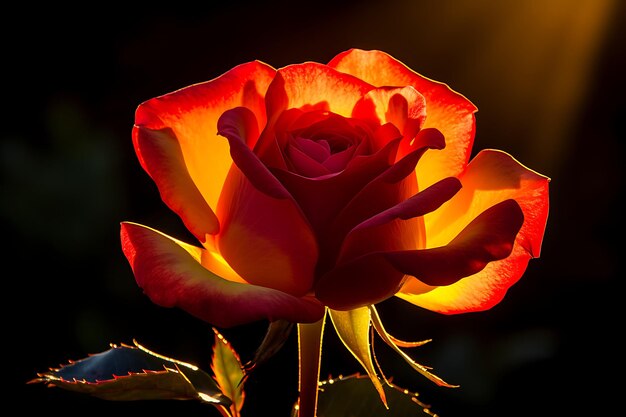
(128, 373)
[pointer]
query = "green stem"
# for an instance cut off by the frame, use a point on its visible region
(310, 350)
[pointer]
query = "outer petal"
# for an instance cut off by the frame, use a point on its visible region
(378, 275)
(313, 86)
(176, 142)
(267, 240)
(446, 110)
(491, 177)
(170, 273)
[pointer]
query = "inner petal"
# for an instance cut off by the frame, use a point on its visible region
(302, 163)
(338, 161)
(318, 150)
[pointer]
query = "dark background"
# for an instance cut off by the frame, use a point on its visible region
(548, 78)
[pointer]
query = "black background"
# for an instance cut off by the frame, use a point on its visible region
(546, 76)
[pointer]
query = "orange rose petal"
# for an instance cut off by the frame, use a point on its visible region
(313, 86)
(378, 275)
(170, 273)
(489, 237)
(404, 107)
(161, 156)
(446, 110)
(189, 118)
(492, 176)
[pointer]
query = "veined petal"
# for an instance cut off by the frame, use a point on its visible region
(171, 274)
(447, 110)
(491, 177)
(353, 328)
(176, 141)
(487, 238)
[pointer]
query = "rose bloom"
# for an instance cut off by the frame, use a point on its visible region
(337, 185)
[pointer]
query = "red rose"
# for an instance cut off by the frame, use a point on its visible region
(335, 185)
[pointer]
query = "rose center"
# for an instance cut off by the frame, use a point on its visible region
(325, 148)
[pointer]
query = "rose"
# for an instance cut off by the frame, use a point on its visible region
(335, 185)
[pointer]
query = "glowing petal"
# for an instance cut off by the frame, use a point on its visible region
(353, 328)
(176, 141)
(378, 275)
(404, 107)
(313, 86)
(491, 177)
(161, 156)
(170, 273)
(447, 110)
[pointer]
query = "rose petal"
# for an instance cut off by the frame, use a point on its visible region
(389, 230)
(304, 165)
(264, 235)
(318, 150)
(267, 240)
(170, 274)
(313, 86)
(404, 107)
(161, 156)
(492, 176)
(321, 198)
(237, 125)
(391, 187)
(447, 111)
(175, 141)
(488, 238)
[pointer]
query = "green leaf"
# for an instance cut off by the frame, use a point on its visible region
(228, 371)
(354, 396)
(128, 373)
(353, 328)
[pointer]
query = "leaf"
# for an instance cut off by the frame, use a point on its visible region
(228, 371)
(354, 396)
(128, 373)
(353, 329)
(392, 342)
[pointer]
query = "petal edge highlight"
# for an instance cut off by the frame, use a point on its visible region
(170, 273)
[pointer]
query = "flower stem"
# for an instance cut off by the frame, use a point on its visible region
(310, 353)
